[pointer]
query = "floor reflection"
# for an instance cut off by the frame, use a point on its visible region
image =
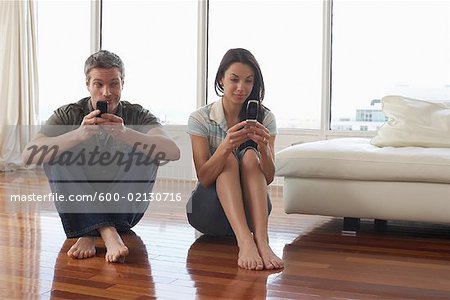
(20, 247)
(212, 266)
(398, 263)
(78, 278)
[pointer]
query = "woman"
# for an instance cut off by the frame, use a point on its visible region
(234, 160)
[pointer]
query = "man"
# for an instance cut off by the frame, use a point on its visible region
(101, 162)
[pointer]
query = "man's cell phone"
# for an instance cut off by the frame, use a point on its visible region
(251, 113)
(102, 105)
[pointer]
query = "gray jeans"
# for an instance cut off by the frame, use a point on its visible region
(205, 213)
(110, 191)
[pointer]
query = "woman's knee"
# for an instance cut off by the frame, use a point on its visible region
(249, 161)
(232, 160)
(231, 164)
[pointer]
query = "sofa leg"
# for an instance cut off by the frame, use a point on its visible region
(351, 226)
(380, 225)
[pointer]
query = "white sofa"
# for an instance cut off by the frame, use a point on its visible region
(350, 178)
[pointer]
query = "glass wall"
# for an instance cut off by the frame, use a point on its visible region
(286, 39)
(378, 48)
(63, 46)
(157, 40)
(387, 47)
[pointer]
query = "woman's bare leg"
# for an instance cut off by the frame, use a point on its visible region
(228, 188)
(116, 251)
(254, 186)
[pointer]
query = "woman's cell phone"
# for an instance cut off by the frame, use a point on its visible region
(102, 105)
(251, 113)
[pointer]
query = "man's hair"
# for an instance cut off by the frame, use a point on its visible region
(104, 59)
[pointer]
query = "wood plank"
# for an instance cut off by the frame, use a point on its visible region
(408, 261)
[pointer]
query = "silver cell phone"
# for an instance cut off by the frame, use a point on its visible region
(251, 113)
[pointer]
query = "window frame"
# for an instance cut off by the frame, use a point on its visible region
(323, 133)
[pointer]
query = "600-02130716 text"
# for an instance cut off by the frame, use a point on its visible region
(141, 197)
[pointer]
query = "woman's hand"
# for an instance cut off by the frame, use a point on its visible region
(236, 135)
(261, 136)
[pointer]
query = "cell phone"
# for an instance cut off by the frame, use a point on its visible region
(251, 113)
(102, 105)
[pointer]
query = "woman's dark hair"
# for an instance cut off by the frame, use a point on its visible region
(240, 55)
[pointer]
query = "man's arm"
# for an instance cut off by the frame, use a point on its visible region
(156, 139)
(164, 147)
(43, 148)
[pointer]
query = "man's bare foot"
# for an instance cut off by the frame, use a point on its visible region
(83, 248)
(116, 251)
(270, 260)
(248, 257)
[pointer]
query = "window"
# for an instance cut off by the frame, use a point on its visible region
(157, 40)
(63, 46)
(378, 48)
(286, 39)
(387, 47)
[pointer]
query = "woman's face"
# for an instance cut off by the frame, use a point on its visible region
(237, 83)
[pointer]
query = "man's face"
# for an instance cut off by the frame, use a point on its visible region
(105, 84)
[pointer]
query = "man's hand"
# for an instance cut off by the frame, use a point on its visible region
(113, 125)
(88, 126)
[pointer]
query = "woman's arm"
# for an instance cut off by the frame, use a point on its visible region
(266, 144)
(267, 163)
(209, 167)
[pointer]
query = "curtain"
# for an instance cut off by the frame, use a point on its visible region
(18, 79)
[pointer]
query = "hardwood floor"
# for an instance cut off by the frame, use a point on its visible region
(166, 261)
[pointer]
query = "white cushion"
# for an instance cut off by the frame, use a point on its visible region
(356, 158)
(414, 122)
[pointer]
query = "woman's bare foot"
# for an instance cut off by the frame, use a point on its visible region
(83, 248)
(270, 260)
(116, 251)
(248, 257)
